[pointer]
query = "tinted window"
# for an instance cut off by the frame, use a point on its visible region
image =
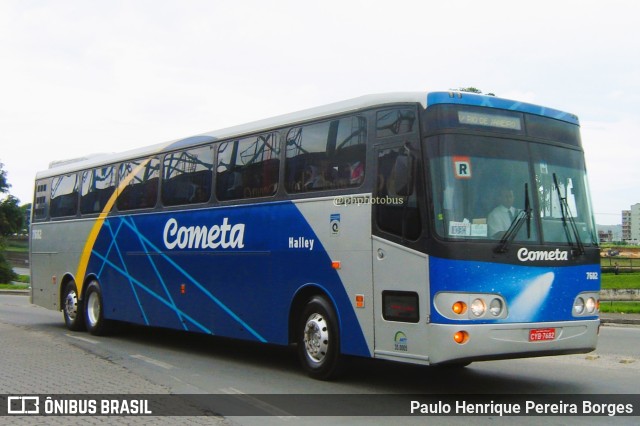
(64, 195)
(248, 167)
(141, 184)
(395, 121)
(397, 212)
(554, 130)
(326, 155)
(97, 187)
(40, 200)
(187, 175)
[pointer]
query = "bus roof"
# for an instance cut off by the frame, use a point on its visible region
(363, 102)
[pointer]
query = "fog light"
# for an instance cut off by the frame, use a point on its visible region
(459, 308)
(461, 337)
(478, 307)
(591, 305)
(578, 306)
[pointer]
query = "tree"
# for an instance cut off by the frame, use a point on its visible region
(11, 216)
(11, 222)
(472, 89)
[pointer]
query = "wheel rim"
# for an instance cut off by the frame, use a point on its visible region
(71, 305)
(93, 308)
(316, 338)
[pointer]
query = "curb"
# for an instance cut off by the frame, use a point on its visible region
(625, 321)
(16, 292)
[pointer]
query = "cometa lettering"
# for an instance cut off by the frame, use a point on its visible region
(203, 237)
(526, 255)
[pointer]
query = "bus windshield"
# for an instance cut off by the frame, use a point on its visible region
(483, 186)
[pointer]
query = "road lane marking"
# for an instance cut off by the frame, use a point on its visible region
(84, 339)
(258, 403)
(153, 361)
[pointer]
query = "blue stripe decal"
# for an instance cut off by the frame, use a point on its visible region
(124, 265)
(200, 286)
(158, 274)
(152, 293)
(149, 250)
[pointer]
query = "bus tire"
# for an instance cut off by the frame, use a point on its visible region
(318, 340)
(72, 307)
(94, 310)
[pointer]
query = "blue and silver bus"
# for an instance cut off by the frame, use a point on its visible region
(427, 228)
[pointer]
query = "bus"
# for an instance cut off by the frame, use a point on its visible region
(433, 228)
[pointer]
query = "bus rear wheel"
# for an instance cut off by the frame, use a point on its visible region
(94, 310)
(72, 307)
(319, 340)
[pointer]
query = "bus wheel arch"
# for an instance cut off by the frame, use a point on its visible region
(316, 332)
(71, 304)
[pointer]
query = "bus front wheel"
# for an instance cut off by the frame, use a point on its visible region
(72, 307)
(94, 310)
(319, 340)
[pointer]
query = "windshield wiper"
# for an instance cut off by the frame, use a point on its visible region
(513, 230)
(568, 222)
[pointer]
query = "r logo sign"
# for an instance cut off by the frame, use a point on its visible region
(462, 167)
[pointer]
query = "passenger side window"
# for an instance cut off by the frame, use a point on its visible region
(141, 188)
(187, 176)
(328, 155)
(64, 195)
(248, 168)
(97, 187)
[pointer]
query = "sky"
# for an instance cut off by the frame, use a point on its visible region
(82, 77)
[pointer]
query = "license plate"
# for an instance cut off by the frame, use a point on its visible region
(542, 334)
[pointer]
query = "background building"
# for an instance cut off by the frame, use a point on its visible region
(631, 225)
(626, 225)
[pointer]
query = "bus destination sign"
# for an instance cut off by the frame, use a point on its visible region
(489, 120)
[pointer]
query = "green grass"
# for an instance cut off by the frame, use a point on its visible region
(26, 279)
(21, 246)
(14, 287)
(620, 307)
(624, 280)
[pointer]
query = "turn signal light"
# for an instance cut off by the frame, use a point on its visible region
(461, 337)
(459, 308)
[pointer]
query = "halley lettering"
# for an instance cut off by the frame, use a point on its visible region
(202, 237)
(524, 255)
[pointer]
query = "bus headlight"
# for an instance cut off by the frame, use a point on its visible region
(495, 307)
(478, 307)
(590, 305)
(472, 306)
(578, 306)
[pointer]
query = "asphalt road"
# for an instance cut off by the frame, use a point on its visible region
(164, 361)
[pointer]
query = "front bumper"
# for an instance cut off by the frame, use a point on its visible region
(503, 341)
